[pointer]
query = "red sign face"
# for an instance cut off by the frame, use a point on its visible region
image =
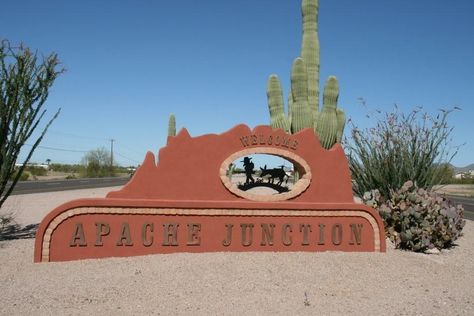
(187, 203)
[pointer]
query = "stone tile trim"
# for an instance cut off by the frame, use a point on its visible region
(298, 188)
(209, 212)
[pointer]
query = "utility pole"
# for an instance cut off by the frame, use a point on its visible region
(112, 154)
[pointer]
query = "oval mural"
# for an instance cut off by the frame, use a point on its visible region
(265, 174)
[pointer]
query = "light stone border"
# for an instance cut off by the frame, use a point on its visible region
(297, 189)
(209, 212)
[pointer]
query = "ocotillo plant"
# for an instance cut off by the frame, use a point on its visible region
(303, 99)
(172, 125)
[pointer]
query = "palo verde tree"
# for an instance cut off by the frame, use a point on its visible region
(25, 80)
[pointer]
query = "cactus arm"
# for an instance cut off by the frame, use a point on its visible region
(290, 104)
(300, 112)
(327, 120)
(341, 123)
(172, 125)
(310, 51)
(278, 118)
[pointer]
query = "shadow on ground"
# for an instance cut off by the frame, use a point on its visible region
(15, 231)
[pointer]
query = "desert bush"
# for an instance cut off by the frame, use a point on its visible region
(37, 171)
(399, 148)
(23, 177)
(465, 180)
(25, 79)
(418, 219)
(97, 164)
(76, 168)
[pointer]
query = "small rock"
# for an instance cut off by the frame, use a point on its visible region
(434, 251)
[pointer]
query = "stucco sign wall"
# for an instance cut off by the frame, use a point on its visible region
(187, 202)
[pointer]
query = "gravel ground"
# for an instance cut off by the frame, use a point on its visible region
(394, 283)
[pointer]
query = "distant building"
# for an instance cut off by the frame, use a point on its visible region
(44, 166)
(463, 175)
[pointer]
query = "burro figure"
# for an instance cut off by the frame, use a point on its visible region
(274, 173)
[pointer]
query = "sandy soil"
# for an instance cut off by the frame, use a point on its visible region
(394, 283)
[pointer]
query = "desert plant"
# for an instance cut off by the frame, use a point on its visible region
(399, 148)
(25, 175)
(97, 164)
(418, 219)
(172, 125)
(37, 171)
(303, 99)
(76, 168)
(24, 87)
(230, 170)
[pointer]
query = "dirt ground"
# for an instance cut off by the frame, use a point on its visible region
(330, 283)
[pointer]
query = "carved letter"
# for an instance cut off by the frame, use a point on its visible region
(294, 145)
(147, 242)
(170, 232)
(321, 234)
(125, 235)
(101, 230)
(244, 240)
(270, 140)
(285, 142)
(228, 240)
(305, 229)
(254, 139)
(78, 238)
(286, 240)
(277, 140)
(337, 234)
(262, 139)
(267, 234)
(356, 232)
(244, 140)
(193, 235)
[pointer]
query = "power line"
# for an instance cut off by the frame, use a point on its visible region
(125, 157)
(77, 136)
(127, 148)
(60, 149)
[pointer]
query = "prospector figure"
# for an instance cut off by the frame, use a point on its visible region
(248, 166)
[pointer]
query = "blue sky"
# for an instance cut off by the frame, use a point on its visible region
(131, 63)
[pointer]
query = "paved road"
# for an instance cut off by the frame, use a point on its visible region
(468, 204)
(74, 184)
(26, 187)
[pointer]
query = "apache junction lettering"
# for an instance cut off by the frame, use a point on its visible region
(244, 235)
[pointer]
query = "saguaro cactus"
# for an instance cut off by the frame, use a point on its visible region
(172, 125)
(303, 99)
(310, 51)
(300, 112)
(326, 124)
(276, 104)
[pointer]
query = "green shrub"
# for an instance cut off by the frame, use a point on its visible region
(37, 171)
(24, 176)
(66, 168)
(401, 147)
(97, 164)
(418, 219)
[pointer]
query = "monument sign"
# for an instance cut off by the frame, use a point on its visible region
(187, 202)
